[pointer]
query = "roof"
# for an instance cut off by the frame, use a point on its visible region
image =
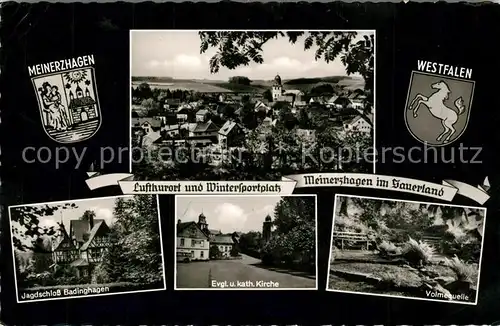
(173, 101)
(215, 232)
(293, 91)
(65, 236)
(80, 227)
(189, 126)
(80, 102)
(357, 118)
(223, 239)
(202, 112)
(227, 128)
(151, 137)
(93, 232)
(155, 123)
(80, 262)
(205, 127)
(184, 225)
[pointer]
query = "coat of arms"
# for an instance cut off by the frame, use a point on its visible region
(69, 105)
(438, 107)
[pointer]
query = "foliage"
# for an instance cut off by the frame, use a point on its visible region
(214, 252)
(267, 95)
(293, 241)
(240, 80)
(100, 275)
(135, 251)
(236, 49)
(28, 218)
(463, 271)
(234, 252)
(417, 252)
(250, 243)
(388, 248)
(322, 89)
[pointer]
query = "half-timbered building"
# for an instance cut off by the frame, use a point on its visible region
(84, 248)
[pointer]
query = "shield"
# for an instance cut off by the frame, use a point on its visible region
(437, 107)
(68, 104)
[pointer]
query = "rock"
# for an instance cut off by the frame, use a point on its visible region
(444, 280)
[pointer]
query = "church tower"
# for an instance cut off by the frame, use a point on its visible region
(277, 88)
(202, 222)
(266, 229)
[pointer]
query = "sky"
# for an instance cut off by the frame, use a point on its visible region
(228, 214)
(103, 207)
(177, 54)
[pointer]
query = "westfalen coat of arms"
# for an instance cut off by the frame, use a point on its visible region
(69, 105)
(438, 107)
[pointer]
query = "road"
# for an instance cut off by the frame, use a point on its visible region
(241, 273)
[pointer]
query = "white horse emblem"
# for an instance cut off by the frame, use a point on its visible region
(438, 109)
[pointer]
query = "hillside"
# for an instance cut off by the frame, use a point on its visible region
(257, 86)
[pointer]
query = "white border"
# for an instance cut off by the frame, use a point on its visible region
(413, 72)
(96, 94)
(89, 295)
(374, 122)
(315, 288)
(396, 296)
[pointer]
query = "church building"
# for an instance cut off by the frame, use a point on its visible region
(292, 96)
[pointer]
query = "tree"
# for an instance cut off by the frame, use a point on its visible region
(28, 218)
(214, 252)
(152, 107)
(144, 91)
(304, 120)
(88, 215)
(135, 249)
(236, 49)
(234, 251)
(241, 80)
(248, 116)
(322, 90)
(268, 95)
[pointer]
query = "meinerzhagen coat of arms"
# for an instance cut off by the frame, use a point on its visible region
(438, 107)
(67, 99)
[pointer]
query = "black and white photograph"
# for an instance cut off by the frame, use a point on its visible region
(250, 105)
(406, 249)
(87, 247)
(246, 242)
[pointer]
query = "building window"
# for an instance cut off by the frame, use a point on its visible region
(192, 254)
(85, 272)
(201, 254)
(182, 242)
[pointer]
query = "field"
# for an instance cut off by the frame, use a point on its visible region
(257, 86)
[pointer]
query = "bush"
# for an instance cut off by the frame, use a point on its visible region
(388, 248)
(465, 272)
(100, 275)
(417, 252)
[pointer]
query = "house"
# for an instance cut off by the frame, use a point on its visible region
(202, 115)
(82, 108)
(358, 123)
(260, 106)
(151, 138)
(230, 134)
(83, 247)
(318, 100)
(192, 238)
(170, 131)
(147, 124)
(224, 243)
(339, 102)
(183, 113)
(172, 103)
(206, 129)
